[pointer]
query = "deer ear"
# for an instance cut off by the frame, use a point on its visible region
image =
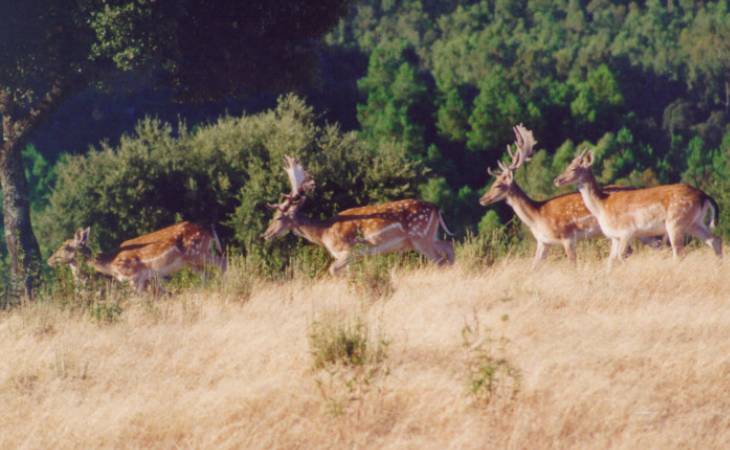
(81, 236)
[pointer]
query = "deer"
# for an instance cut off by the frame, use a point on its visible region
(394, 226)
(561, 220)
(142, 261)
(674, 209)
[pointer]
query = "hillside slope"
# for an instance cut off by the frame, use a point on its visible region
(577, 358)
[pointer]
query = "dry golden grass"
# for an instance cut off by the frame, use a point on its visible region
(638, 358)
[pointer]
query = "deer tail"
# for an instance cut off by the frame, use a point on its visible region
(443, 224)
(223, 263)
(715, 209)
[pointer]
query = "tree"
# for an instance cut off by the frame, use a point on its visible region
(496, 109)
(398, 104)
(707, 50)
(203, 51)
(597, 98)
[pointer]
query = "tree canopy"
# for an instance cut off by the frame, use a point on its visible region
(202, 50)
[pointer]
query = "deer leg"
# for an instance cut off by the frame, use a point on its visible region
(614, 251)
(342, 259)
(139, 283)
(446, 249)
(150, 281)
(622, 248)
(427, 249)
(337, 266)
(569, 247)
(676, 239)
(157, 288)
(702, 233)
(540, 253)
(213, 261)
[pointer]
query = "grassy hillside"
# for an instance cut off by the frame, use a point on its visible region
(500, 357)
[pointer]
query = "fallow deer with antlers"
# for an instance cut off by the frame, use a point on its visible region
(388, 227)
(561, 220)
(674, 209)
(147, 258)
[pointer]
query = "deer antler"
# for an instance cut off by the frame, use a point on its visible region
(525, 146)
(301, 183)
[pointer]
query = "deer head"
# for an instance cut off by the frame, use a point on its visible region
(504, 177)
(578, 171)
(285, 217)
(72, 252)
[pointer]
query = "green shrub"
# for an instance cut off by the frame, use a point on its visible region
(372, 277)
(349, 362)
(334, 341)
(488, 372)
(222, 173)
(494, 240)
(105, 311)
(239, 281)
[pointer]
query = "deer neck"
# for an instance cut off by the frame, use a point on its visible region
(100, 264)
(310, 229)
(592, 195)
(525, 208)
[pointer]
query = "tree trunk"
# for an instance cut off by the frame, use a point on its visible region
(17, 125)
(19, 238)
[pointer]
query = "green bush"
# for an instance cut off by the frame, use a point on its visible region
(494, 240)
(338, 341)
(489, 374)
(348, 361)
(222, 173)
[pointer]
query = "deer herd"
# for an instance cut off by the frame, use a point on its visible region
(621, 214)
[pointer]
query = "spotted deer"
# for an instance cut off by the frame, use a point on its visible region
(560, 220)
(674, 209)
(388, 227)
(147, 258)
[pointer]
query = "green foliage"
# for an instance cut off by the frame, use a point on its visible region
(41, 176)
(699, 163)
(705, 47)
(349, 360)
(371, 277)
(337, 342)
(105, 312)
(490, 223)
(452, 120)
(569, 70)
(397, 106)
(489, 374)
(597, 98)
(709, 169)
(477, 251)
(496, 109)
(220, 174)
(437, 190)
